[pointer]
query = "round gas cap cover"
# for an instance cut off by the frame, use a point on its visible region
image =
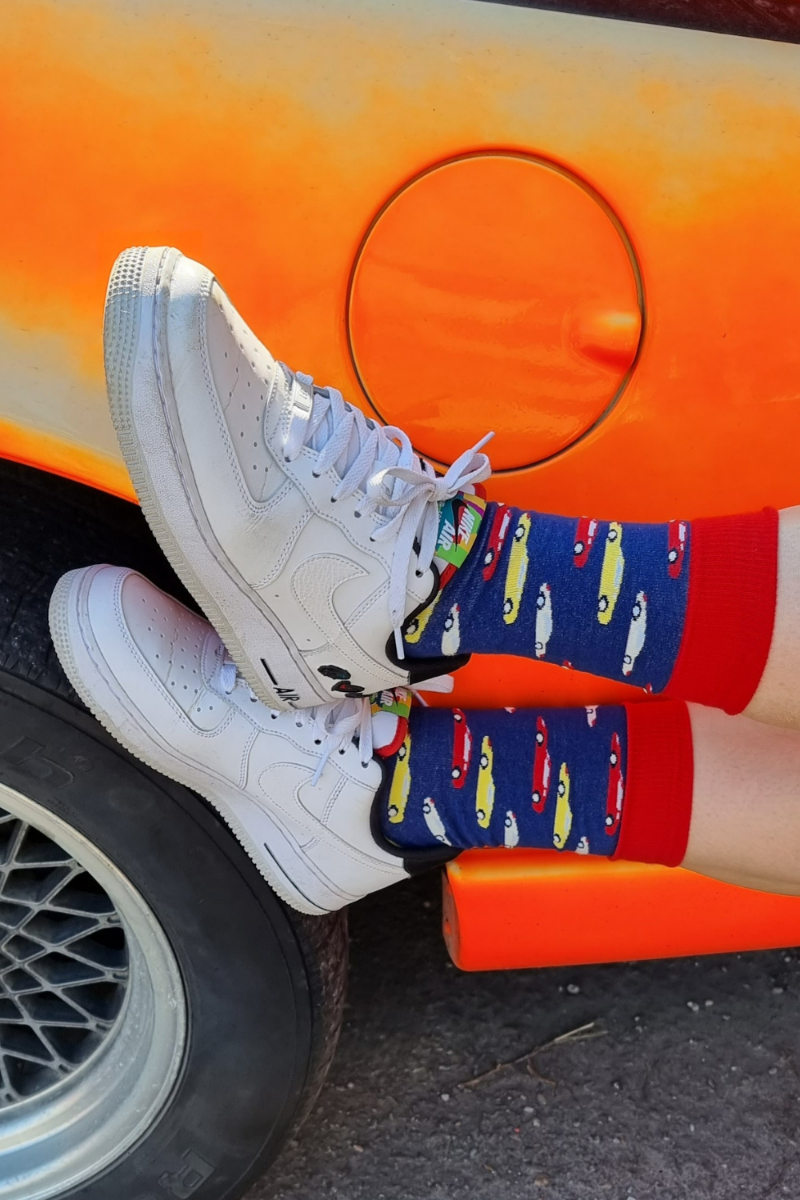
(498, 291)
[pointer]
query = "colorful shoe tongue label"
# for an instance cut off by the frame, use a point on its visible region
(391, 704)
(459, 522)
(392, 700)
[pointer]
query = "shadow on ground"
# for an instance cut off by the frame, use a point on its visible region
(692, 1094)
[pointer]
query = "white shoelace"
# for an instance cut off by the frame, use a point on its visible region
(382, 464)
(334, 725)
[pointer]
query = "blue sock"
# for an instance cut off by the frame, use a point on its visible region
(550, 778)
(598, 596)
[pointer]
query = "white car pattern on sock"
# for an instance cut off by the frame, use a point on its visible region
(510, 831)
(544, 620)
(637, 632)
(451, 636)
(434, 822)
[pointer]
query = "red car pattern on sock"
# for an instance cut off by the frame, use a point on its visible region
(616, 787)
(676, 547)
(541, 768)
(462, 748)
(584, 540)
(497, 536)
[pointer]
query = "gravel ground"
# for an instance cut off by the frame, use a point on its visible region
(692, 1093)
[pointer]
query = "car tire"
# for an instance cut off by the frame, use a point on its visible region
(247, 993)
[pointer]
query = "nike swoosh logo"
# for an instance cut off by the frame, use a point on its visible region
(313, 585)
(282, 785)
(288, 779)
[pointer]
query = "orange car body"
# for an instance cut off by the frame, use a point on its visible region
(582, 233)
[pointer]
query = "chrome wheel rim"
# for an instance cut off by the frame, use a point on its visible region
(92, 1007)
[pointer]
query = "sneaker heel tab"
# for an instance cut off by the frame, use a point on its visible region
(420, 669)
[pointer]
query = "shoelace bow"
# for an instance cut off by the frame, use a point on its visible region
(390, 475)
(334, 725)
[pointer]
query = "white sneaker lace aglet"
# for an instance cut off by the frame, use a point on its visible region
(323, 758)
(398, 642)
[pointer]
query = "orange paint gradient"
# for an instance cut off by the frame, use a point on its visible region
(263, 138)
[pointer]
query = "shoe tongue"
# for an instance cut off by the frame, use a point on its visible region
(324, 432)
(460, 520)
(390, 711)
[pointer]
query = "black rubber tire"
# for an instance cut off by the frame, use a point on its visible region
(264, 984)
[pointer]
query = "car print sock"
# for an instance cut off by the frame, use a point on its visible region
(685, 608)
(614, 781)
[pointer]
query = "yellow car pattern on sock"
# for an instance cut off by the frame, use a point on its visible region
(484, 797)
(401, 783)
(563, 822)
(611, 574)
(416, 626)
(517, 571)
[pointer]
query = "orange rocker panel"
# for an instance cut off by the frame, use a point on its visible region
(596, 261)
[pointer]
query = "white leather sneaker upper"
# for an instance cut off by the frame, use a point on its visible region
(319, 511)
(292, 785)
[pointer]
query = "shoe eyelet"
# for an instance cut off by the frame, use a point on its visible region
(317, 741)
(356, 513)
(419, 573)
(315, 475)
(273, 716)
(343, 751)
(333, 499)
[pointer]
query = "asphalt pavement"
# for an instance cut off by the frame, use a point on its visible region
(691, 1091)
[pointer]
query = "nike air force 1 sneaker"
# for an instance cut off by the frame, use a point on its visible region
(306, 532)
(296, 788)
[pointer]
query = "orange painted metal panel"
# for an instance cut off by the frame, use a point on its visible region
(265, 137)
(520, 908)
(37, 449)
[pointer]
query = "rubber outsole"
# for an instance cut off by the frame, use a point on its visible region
(65, 600)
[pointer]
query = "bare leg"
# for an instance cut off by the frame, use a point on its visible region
(746, 803)
(777, 699)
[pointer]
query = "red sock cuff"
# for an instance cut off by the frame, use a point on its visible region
(730, 612)
(658, 789)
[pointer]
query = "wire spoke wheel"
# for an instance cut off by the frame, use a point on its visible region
(92, 1012)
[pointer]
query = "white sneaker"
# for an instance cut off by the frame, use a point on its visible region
(304, 530)
(296, 788)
